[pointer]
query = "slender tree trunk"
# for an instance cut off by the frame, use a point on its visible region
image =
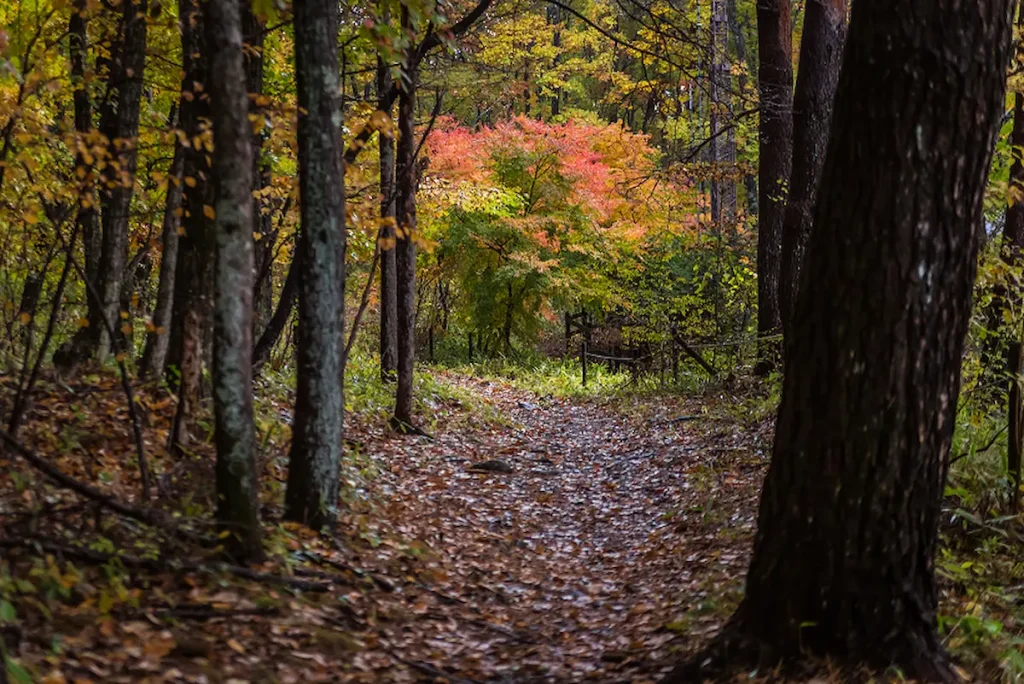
(192, 297)
(154, 356)
(253, 37)
(739, 39)
(312, 493)
(88, 225)
(723, 146)
(775, 83)
(277, 322)
(821, 52)
(843, 562)
(388, 264)
(119, 122)
(237, 483)
(406, 247)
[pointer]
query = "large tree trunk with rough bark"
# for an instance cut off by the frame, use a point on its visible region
(193, 299)
(388, 264)
(237, 483)
(119, 122)
(312, 492)
(843, 561)
(406, 247)
(821, 53)
(775, 135)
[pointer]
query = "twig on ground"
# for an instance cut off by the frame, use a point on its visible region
(59, 477)
(160, 565)
(381, 582)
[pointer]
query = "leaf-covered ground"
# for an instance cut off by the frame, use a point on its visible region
(530, 539)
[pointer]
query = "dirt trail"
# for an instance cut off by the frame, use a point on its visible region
(612, 544)
(612, 548)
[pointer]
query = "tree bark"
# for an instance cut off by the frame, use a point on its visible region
(237, 485)
(312, 492)
(775, 134)
(88, 225)
(275, 326)
(388, 263)
(192, 298)
(119, 122)
(821, 52)
(843, 561)
(253, 30)
(406, 247)
(722, 147)
(154, 355)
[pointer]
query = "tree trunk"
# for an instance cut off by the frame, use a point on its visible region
(723, 145)
(275, 326)
(775, 134)
(119, 122)
(388, 264)
(843, 562)
(154, 356)
(237, 483)
(88, 225)
(312, 493)
(405, 246)
(252, 37)
(994, 346)
(192, 298)
(821, 52)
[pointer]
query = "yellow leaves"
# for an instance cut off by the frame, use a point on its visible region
(24, 318)
(190, 181)
(257, 236)
(209, 212)
(235, 646)
(127, 329)
(82, 322)
(31, 219)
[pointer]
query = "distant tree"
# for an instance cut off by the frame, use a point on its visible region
(405, 250)
(821, 54)
(312, 492)
(119, 122)
(775, 134)
(237, 484)
(843, 561)
(387, 236)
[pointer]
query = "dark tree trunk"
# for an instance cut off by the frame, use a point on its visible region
(252, 35)
(154, 355)
(388, 264)
(1012, 243)
(843, 561)
(192, 297)
(821, 51)
(277, 322)
(312, 492)
(119, 122)
(775, 83)
(237, 484)
(88, 225)
(406, 247)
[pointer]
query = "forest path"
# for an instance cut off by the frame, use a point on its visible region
(614, 542)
